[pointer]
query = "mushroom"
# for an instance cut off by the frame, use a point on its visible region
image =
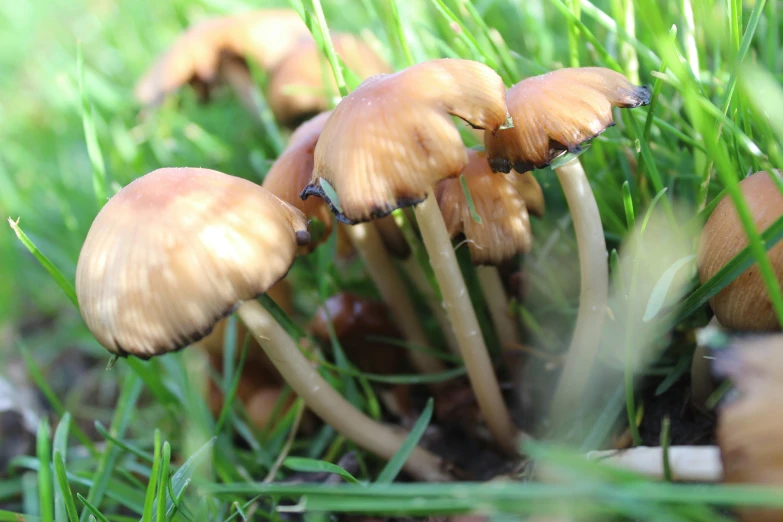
(300, 86)
(744, 304)
(178, 249)
(504, 230)
(384, 147)
(749, 421)
(554, 113)
(217, 51)
(289, 175)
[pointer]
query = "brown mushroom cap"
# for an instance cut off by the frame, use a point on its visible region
(175, 251)
(744, 304)
(504, 230)
(291, 172)
(388, 142)
(750, 425)
(557, 112)
(296, 87)
(264, 35)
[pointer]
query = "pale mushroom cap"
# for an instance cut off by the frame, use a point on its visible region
(303, 81)
(175, 251)
(393, 138)
(744, 304)
(504, 231)
(750, 425)
(264, 36)
(557, 112)
(291, 172)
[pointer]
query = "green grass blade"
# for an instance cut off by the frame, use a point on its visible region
(60, 447)
(661, 288)
(393, 467)
(317, 466)
(130, 448)
(628, 205)
(90, 508)
(91, 136)
(163, 482)
(45, 482)
(64, 489)
(400, 34)
(149, 498)
(53, 271)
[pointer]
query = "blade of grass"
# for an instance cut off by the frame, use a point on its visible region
(91, 135)
(45, 482)
(163, 482)
(317, 466)
(72, 515)
(60, 446)
(89, 508)
(149, 498)
(395, 464)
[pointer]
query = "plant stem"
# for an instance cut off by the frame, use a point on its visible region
(466, 326)
(419, 279)
(594, 272)
(329, 405)
(369, 244)
(495, 294)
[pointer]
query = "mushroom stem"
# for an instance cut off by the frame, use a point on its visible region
(687, 463)
(466, 326)
(594, 272)
(497, 302)
(329, 405)
(419, 279)
(368, 243)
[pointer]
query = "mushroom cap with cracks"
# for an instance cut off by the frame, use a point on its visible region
(744, 304)
(504, 230)
(291, 172)
(300, 84)
(389, 141)
(263, 36)
(175, 251)
(557, 112)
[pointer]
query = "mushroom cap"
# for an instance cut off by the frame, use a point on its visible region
(299, 86)
(291, 172)
(558, 112)
(749, 424)
(744, 304)
(264, 35)
(388, 142)
(504, 230)
(175, 251)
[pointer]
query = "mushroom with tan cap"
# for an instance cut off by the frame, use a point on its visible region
(289, 174)
(299, 87)
(217, 51)
(749, 422)
(555, 113)
(178, 249)
(502, 233)
(744, 304)
(385, 146)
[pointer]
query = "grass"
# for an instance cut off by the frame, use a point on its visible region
(72, 136)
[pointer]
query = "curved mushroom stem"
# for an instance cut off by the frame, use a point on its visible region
(419, 279)
(329, 405)
(594, 272)
(702, 384)
(466, 326)
(497, 302)
(368, 243)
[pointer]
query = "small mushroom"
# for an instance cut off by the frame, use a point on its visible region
(503, 233)
(554, 113)
(744, 304)
(217, 51)
(384, 147)
(749, 422)
(178, 249)
(300, 85)
(290, 174)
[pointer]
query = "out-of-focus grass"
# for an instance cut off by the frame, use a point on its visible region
(714, 120)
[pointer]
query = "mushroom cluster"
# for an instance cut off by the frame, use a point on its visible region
(175, 252)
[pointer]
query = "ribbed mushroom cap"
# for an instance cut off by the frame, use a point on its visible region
(175, 251)
(504, 230)
(301, 84)
(744, 304)
(557, 112)
(393, 138)
(750, 425)
(264, 36)
(291, 172)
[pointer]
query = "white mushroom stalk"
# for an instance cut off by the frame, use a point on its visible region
(686, 463)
